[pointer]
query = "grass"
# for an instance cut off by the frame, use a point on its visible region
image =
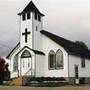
(68, 87)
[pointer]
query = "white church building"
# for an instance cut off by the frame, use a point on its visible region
(41, 53)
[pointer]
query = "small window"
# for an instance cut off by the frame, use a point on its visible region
(36, 16)
(28, 15)
(83, 62)
(39, 18)
(23, 17)
(36, 28)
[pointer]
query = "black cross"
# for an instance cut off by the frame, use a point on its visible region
(26, 33)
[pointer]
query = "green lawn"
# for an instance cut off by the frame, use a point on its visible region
(85, 87)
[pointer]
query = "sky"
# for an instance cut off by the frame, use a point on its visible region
(69, 19)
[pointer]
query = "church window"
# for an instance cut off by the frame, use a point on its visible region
(26, 54)
(36, 16)
(55, 60)
(23, 17)
(28, 15)
(39, 18)
(51, 59)
(59, 59)
(15, 63)
(83, 62)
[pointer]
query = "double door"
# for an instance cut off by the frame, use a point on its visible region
(26, 66)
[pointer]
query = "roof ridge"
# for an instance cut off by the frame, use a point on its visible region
(57, 36)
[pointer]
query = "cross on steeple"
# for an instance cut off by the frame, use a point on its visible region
(26, 33)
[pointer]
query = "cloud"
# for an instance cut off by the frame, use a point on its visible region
(67, 18)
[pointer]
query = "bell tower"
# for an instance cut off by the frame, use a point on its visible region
(30, 27)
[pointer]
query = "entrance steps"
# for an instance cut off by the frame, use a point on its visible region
(16, 81)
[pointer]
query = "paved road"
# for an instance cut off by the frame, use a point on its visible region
(85, 87)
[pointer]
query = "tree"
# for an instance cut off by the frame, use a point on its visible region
(82, 45)
(3, 70)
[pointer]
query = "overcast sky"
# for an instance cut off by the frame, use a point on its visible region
(68, 18)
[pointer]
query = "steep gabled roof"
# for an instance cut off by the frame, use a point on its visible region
(31, 7)
(71, 47)
(35, 51)
(13, 50)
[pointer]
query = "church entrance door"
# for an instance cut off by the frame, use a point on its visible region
(26, 66)
(26, 63)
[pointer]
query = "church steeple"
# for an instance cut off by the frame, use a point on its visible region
(30, 27)
(31, 8)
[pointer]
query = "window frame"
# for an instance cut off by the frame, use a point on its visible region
(62, 60)
(15, 63)
(55, 66)
(49, 60)
(83, 62)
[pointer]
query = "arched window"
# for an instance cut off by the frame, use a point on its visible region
(59, 59)
(26, 54)
(15, 63)
(51, 58)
